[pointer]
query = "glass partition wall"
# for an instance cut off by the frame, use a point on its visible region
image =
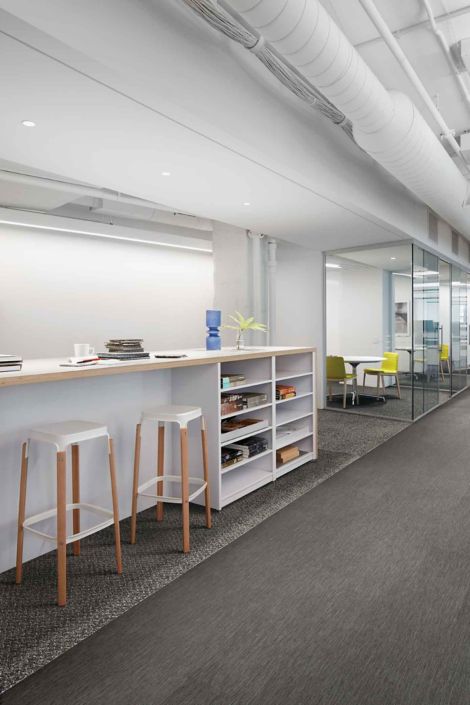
(425, 382)
(397, 316)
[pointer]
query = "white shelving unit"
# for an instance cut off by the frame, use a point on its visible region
(262, 373)
(298, 369)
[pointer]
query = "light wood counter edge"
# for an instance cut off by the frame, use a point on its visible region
(41, 377)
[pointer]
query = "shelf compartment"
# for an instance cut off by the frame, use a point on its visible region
(224, 471)
(294, 417)
(251, 410)
(294, 437)
(304, 457)
(299, 406)
(248, 479)
(256, 431)
(283, 374)
(298, 396)
(246, 383)
(297, 365)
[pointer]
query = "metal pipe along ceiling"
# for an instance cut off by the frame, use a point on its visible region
(386, 124)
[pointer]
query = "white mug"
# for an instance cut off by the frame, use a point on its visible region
(83, 350)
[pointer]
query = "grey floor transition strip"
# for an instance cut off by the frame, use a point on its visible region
(34, 631)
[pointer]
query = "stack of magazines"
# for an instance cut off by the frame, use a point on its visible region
(10, 363)
(124, 349)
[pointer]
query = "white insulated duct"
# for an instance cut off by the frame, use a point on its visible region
(387, 125)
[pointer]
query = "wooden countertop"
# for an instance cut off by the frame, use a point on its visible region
(49, 369)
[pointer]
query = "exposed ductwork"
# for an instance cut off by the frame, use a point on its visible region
(386, 124)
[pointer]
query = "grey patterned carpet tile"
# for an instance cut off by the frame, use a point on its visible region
(34, 631)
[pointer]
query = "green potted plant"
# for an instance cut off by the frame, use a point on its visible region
(243, 324)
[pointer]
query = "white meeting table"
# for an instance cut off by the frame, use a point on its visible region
(355, 361)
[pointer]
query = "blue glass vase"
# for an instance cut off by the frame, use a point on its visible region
(213, 322)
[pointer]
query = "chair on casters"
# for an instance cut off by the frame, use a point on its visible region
(63, 435)
(336, 372)
(181, 415)
(389, 368)
(444, 357)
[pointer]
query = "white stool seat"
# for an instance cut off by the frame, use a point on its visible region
(66, 433)
(173, 413)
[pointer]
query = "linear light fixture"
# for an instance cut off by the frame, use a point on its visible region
(73, 231)
(331, 265)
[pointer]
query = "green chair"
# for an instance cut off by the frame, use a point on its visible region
(444, 357)
(389, 368)
(336, 372)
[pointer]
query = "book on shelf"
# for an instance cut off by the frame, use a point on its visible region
(251, 399)
(250, 446)
(231, 380)
(230, 403)
(286, 454)
(230, 456)
(285, 391)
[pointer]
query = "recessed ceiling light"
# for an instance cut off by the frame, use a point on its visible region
(392, 257)
(166, 173)
(28, 123)
(247, 203)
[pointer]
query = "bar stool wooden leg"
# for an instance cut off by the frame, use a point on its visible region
(205, 462)
(61, 530)
(117, 532)
(21, 513)
(138, 440)
(160, 468)
(185, 487)
(76, 495)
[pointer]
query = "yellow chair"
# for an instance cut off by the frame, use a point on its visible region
(444, 357)
(389, 368)
(336, 372)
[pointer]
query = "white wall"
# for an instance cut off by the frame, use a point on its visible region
(56, 290)
(231, 275)
(300, 301)
(354, 311)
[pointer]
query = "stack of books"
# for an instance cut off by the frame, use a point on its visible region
(285, 391)
(230, 403)
(250, 446)
(124, 349)
(251, 399)
(10, 363)
(230, 456)
(286, 454)
(231, 380)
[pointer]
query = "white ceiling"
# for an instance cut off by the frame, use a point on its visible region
(420, 46)
(396, 258)
(120, 96)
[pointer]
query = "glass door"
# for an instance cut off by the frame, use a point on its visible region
(425, 356)
(458, 353)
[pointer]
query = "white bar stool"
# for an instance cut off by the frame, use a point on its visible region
(181, 415)
(62, 435)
